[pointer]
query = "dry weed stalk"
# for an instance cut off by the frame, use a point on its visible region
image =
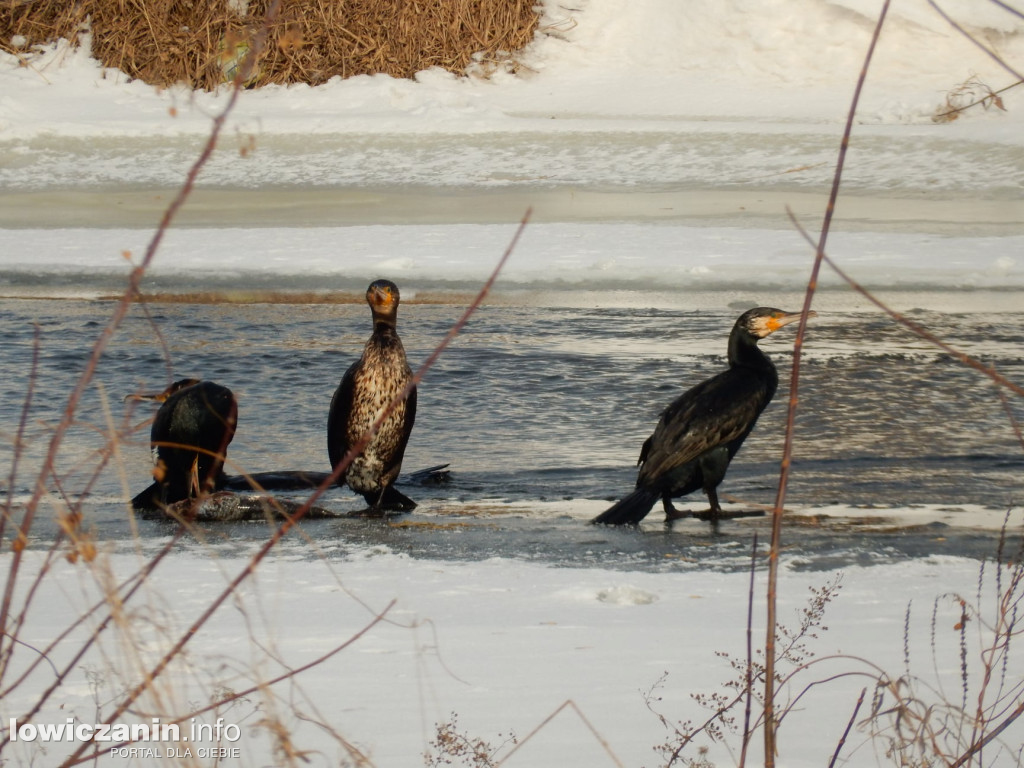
(930, 724)
(770, 719)
(450, 744)
(70, 518)
(917, 720)
(48, 471)
(793, 651)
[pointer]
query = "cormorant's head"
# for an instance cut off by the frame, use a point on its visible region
(161, 397)
(764, 321)
(382, 296)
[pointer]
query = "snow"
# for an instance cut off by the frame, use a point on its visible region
(775, 61)
(659, 140)
(678, 134)
(501, 645)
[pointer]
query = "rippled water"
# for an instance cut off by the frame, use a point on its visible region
(541, 412)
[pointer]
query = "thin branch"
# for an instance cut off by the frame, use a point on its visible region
(19, 438)
(101, 343)
(787, 451)
(849, 726)
(120, 312)
(991, 736)
(235, 696)
(139, 579)
(749, 689)
(920, 330)
(991, 54)
(567, 704)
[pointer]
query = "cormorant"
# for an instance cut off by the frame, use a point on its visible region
(189, 438)
(702, 430)
(366, 389)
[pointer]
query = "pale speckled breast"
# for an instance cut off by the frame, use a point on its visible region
(383, 375)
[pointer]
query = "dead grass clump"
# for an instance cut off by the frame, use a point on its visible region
(27, 23)
(201, 42)
(972, 92)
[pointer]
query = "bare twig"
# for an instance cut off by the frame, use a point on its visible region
(749, 688)
(770, 745)
(920, 330)
(981, 46)
(236, 695)
(19, 438)
(136, 581)
(849, 726)
(119, 313)
(567, 704)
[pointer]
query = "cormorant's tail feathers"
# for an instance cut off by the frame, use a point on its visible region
(277, 480)
(148, 499)
(630, 510)
(436, 475)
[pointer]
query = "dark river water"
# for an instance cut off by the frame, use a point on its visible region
(540, 413)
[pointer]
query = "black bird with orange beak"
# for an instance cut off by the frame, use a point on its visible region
(700, 433)
(189, 439)
(366, 390)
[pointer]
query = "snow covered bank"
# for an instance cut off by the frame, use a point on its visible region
(500, 644)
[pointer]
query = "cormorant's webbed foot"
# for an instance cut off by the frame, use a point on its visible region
(715, 513)
(671, 513)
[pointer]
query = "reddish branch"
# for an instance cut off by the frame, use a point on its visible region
(787, 451)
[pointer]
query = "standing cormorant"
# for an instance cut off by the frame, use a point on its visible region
(702, 430)
(189, 438)
(366, 389)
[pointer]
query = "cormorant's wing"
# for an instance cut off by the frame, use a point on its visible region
(394, 464)
(713, 413)
(410, 419)
(337, 418)
(644, 450)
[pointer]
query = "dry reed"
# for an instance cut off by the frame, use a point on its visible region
(163, 42)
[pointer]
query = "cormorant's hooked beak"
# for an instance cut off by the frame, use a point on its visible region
(161, 397)
(767, 321)
(382, 296)
(785, 318)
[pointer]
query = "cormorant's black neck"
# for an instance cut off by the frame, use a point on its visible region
(385, 335)
(384, 325)
(744, 352)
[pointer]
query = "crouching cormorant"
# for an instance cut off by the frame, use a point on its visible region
(703, 429)
(366, 389)
(189, 439)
